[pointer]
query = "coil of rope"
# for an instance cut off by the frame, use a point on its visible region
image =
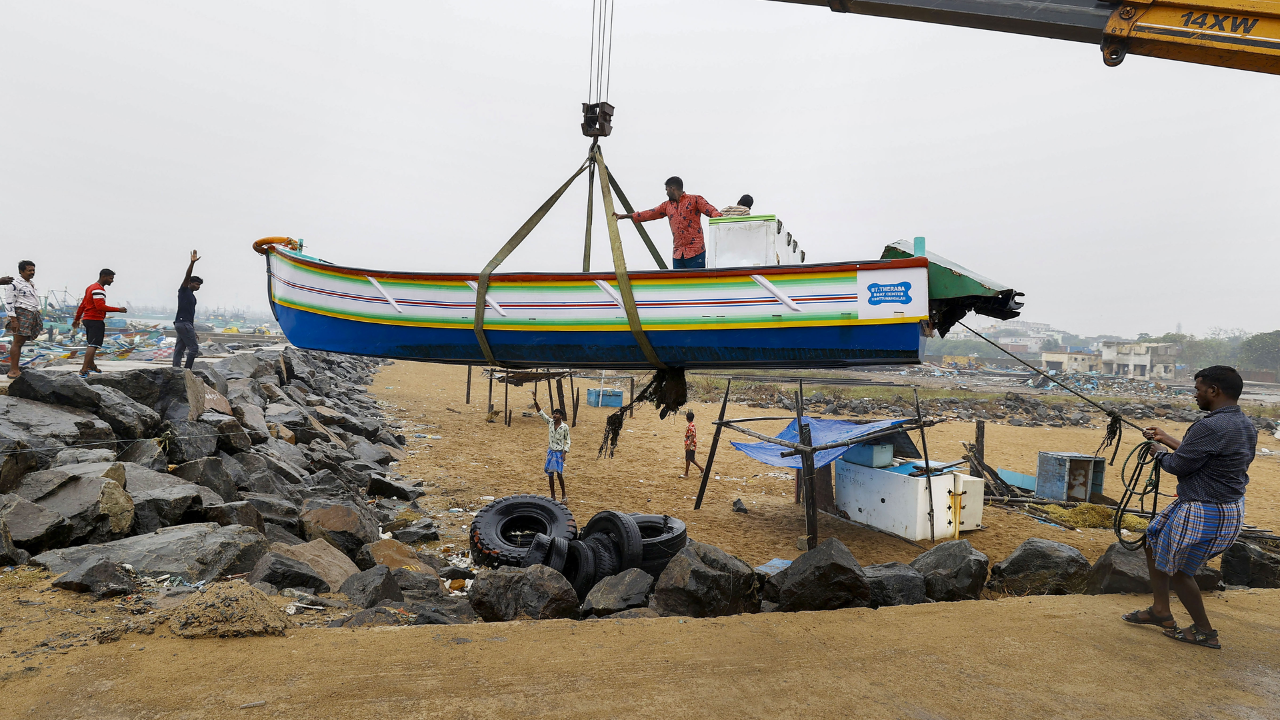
(1146, 472)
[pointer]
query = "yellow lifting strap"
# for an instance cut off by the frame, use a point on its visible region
(620, 268)
(482, 283)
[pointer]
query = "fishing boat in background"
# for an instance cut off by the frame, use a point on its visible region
(758, 313)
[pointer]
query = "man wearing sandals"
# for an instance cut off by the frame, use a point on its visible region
(1210, 464)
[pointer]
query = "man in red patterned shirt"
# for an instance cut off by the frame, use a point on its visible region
(684, 211)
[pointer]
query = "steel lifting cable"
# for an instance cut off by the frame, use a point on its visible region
(599, 69)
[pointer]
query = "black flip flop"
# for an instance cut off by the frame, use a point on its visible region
(1152, 619)
(1198, 637)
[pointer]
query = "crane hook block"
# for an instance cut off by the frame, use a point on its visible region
(597, 119)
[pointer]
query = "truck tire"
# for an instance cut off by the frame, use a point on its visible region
(625, 533)
(663, 537)
(537, 552)
(503, 530)
(606, 557)
(557, 555)
(580, 568)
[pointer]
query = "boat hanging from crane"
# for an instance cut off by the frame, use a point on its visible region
(758, 304)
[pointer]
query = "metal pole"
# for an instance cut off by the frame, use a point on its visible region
(468, 384)
(715, 442)
(928, 470)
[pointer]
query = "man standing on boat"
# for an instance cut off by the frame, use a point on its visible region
(684, 211)
(557, 446)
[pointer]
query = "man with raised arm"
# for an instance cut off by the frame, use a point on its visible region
(684, 212)
(184, 323)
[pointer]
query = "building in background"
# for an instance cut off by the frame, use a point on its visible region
(1078, 361)
(1139, 360)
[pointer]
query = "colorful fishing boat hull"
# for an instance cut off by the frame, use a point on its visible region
(834, 315)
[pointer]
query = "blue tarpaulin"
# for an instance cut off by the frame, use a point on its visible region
(822, 432)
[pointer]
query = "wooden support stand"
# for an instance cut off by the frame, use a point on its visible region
(560, 395)
(468, 384)
(980, 448)
(490, 409)
(715, 442)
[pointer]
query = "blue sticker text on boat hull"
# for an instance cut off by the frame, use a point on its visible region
(880, 294)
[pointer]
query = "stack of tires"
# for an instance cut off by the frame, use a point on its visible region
(526, 530)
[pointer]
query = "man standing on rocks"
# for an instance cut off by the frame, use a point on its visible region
(184, 323)
(93, 310)
(24, 301)
(557, 447)
(1210, 463)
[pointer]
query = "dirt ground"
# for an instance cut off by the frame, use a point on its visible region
(1064, 657)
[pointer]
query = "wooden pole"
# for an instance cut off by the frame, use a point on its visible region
(490, 390)
(810, 490)
(560, 394)
(928, 470)
(468, 384)
(551, 398)
(800, 405)
(506, 393)
(980, 447)
(715, 442)
(508, 418)
(632, 399)
(573, 394)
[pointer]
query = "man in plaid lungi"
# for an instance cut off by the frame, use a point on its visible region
(557, 446)
(1210, 463)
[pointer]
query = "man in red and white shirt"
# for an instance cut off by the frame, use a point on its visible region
(684, 211)
(93, 311)
(691, 445)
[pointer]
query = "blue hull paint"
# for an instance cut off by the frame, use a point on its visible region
(805, 347)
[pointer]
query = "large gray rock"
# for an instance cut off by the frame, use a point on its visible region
(281, 451)
(241, 512)
(1246, 563)
(628, 589)
(99, 576)
(371, 587)
(244, 390)
(252, 419)
(81, 456)
(231, 435)
(325, 559)
(378, 454)
(895, 584)
(536, 593)
(199, 551)
(156, 387)
(952, 570)
(1041, 567)
(276, 510)
(45, 482)
(344, 524)
(161, 500)
(47, 429)
(54, 388)
(381, 486)
(90, 496)
(289, 416)
(16, 460)
(1119, 571)
(705, 581)
(146, 453)
(281, 571)
(10, 554)
(418, 585)
(32, 527)
(824, 578)
(420, 531)
(129, 419)
(210, 473)
(189, 441)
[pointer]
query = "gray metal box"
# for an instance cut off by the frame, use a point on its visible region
(1069, 476)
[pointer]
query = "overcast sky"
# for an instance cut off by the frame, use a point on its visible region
(420, 135)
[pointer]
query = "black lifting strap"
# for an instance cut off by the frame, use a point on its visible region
(482, 284)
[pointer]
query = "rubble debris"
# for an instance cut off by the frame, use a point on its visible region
(224, 610)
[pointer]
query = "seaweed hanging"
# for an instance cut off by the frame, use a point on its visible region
(666, 390)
